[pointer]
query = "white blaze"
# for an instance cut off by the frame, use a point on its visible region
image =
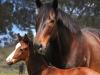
(10, 57)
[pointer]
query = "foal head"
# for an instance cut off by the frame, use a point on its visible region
(45, 23)
(21, 51)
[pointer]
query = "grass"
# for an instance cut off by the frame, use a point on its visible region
(8, 73)
(4, 68)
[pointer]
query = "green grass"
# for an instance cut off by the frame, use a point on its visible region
(10, 73)
(4, 68)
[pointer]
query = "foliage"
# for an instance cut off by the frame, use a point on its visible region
(18, 12)
(86, 11)
(22, 13)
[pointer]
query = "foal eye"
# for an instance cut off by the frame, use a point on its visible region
(21, 49)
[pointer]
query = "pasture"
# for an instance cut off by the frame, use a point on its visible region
(6, 69)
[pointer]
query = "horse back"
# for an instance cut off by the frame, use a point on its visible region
(92, 40)
(73, 71)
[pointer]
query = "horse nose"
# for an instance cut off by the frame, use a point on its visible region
(37, 46)
(9, 63)
(41, 51)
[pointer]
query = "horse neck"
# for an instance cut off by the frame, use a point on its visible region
(35, 64)
(57, 49)
(65, 37)
(61, 45)
(68, 30)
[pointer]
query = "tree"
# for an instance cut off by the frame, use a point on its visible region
(87, 12)
(18, 12)
(22, 13)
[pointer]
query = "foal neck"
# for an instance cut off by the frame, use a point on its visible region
(36, 63)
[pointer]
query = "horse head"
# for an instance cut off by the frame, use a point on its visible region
(20, 52)
(45, 23)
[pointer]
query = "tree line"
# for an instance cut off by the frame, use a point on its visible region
(22, 13)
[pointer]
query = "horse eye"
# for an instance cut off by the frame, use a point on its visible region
(25, 48)
(52, 21)
(21, 49)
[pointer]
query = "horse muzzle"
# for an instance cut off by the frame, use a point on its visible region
(11, 62)
(39, 49)
(42, 51)
(37, 46)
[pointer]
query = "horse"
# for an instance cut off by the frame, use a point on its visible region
(36, 63)
(61, 40)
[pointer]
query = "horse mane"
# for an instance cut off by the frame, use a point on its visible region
(68, 22)
(66, 19)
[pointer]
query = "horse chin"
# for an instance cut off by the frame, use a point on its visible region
(42, 51)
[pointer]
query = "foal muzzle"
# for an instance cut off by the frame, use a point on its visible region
(12, 62)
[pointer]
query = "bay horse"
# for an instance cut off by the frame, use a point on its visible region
(63, 43)
(36, 63)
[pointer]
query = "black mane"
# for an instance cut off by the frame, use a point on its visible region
(67, 21)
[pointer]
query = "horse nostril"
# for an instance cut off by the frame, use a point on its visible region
(41, 51)
(37, 46)
(40, 45)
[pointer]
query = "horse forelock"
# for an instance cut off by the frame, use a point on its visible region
(43, 14)
(67, 21)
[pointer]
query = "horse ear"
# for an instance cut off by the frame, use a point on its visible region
(19, 37)
(38, 3)
(55, 4)
(26, 37)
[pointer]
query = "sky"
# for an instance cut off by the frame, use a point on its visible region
(15, 30)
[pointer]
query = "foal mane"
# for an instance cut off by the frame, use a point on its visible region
(31, 50)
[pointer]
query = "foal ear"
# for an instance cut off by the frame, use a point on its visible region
(55, 4)
(19, 37)
(38, 3)
(26, 37)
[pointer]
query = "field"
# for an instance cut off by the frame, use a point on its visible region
(6, 69)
